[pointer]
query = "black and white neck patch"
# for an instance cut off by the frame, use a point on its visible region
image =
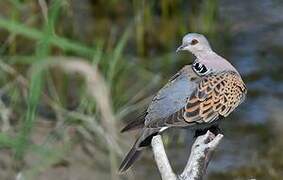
(199, 68)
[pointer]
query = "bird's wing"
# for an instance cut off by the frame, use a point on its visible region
(173, 96)
(216, 95)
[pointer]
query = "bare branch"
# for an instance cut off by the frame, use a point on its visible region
(161, 159)
(200, 156)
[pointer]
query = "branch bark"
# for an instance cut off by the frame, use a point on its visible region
(197, 163)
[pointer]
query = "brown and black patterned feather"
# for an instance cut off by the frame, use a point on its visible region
(216, 95)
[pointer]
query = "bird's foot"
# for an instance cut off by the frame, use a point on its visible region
(214, 129)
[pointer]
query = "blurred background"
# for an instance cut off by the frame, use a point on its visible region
(73, 72)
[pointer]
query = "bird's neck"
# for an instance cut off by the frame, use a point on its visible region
(203, 54)
(214, 61)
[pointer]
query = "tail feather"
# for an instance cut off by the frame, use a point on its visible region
(128, 161)
(143, 141)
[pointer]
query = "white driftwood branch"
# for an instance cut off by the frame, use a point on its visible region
(161, 159)
(197, 163)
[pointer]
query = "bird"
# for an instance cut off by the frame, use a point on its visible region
(198, 96)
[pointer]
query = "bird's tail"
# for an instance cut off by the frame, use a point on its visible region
(143, 141)
(131, 157)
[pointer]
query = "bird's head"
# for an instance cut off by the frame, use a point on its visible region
(195, 43)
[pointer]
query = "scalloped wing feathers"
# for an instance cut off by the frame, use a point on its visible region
(216, 94)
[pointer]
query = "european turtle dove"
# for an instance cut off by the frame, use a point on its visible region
(197, 96)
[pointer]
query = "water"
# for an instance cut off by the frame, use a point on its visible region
(256, 28)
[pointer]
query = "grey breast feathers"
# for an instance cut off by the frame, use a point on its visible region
(173, 96)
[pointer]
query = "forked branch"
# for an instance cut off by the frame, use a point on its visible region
(197, 163)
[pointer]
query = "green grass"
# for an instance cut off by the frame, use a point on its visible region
(63, 43)
(36, 82)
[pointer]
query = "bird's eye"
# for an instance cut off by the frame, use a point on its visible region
(194, 41)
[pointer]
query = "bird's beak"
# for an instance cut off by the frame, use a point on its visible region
(180, 48)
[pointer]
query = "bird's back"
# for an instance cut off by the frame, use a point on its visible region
(173, 96)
